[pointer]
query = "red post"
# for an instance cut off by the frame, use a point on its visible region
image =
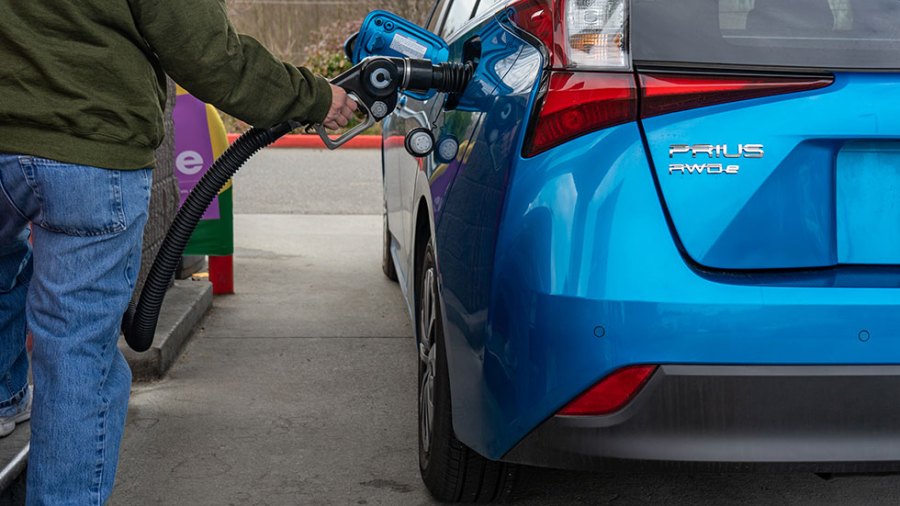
(221, 274)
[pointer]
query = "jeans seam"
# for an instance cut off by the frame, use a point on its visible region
(10, 199)
(101, 449)
(27, 166)
(118, 201)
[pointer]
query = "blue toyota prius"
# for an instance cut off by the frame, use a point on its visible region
(652, 233)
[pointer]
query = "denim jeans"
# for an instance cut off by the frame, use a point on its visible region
(70, 290)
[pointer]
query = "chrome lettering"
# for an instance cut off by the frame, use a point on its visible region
(697, 168)
(718, 150)
(752, 150)
(677, 149)
(708, 149)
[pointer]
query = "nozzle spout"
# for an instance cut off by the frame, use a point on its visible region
(423, 76)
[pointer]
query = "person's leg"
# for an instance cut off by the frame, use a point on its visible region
(87, 249)
(15, 272)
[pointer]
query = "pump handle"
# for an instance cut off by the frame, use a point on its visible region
(333, 144)
(376, 82)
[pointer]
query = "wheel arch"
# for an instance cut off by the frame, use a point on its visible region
(422, 233)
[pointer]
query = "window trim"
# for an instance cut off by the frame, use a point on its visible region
(454, 35)
(434, 12)
(476, 20)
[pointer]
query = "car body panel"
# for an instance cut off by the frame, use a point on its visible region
(411, 182)
(559, 269)
(811, 200)
(610, 288)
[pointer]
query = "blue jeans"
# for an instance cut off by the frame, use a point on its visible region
(71, 291)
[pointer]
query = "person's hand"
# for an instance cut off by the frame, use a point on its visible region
(342, 108)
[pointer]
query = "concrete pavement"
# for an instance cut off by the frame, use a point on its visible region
(300, 389)
(279, 181)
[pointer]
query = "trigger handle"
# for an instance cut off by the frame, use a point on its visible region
(334, 143)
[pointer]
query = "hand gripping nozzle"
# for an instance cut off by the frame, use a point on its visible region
(376, 82)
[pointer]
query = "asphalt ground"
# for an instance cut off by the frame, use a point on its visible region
(300, 389)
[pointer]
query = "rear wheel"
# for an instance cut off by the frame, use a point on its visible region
(452, 472)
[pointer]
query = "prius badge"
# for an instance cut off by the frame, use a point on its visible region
(713, 152)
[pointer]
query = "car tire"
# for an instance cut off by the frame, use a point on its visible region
(452, 472)
(387, 263)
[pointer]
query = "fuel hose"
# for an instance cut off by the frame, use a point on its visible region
(140, 320)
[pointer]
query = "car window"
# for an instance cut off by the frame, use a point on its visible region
(437, 14)
(460, 12)
(831, 34)
(488, 6)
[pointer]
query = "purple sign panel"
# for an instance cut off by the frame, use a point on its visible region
(193, 148)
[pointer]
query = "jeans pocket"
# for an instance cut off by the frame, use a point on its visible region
(76, 199)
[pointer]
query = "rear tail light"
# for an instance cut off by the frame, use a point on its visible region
(577, 103)
(611, 394)
(595, 34)
(587, 42)
(662, 94)
(540, 18)
(578, 34)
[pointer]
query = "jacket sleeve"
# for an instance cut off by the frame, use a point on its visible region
(200, 49)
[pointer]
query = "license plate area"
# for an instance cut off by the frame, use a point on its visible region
(867, 203)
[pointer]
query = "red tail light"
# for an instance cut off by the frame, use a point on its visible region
(611, 394)
(662, 94)
(587, 35)
(541, 18)
(591, 38)
(577, 103)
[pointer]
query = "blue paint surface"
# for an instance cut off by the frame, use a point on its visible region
(535, 254)
(867, 203)
(780, 211)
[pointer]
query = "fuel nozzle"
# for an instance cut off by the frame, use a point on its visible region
(385, 76)
(423, 76)
(376, 82)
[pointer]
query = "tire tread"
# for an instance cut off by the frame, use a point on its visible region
(455, 473)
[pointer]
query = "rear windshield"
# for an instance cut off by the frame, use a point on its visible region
(826, 34)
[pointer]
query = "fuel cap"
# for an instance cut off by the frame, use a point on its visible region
(419, 142)
(447, 149)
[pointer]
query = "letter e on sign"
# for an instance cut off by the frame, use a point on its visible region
(189, 163)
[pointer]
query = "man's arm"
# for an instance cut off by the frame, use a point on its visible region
(200, 49)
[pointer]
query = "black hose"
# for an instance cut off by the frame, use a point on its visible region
(139, 322)
(453, 77)
(422, 76)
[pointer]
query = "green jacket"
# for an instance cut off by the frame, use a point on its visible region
(83, 81)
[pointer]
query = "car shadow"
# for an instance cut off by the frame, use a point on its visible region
(543, 486)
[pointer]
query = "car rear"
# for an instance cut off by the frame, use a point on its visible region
(698, 260)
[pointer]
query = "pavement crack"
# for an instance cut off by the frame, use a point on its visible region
(387, 484)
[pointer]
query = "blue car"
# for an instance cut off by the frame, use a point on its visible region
(652, 233)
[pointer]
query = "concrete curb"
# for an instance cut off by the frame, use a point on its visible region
(185, 305)
(314, 142)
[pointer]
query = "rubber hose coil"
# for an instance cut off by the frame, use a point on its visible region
(140, 320)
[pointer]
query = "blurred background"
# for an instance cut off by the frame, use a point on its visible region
(311, 32)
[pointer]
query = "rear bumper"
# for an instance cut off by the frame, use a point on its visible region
(786, 418)
(588, 279)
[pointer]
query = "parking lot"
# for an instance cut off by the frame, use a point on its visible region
(301, 388)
